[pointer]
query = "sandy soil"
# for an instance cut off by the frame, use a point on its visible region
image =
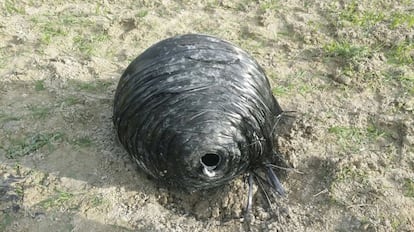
(346, 67)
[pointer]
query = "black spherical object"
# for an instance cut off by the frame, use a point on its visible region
(195, 111)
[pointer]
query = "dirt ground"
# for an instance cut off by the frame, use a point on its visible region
(345, 67)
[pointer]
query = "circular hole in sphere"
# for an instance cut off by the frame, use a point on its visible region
(210, 160)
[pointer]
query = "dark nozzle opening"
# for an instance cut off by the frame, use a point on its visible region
(210, 160)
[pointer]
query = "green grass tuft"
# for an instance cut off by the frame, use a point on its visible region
(402, 53)
(88, 45)
(345, 50)
(402, 19)
(39, 112)
(269, 5)
(348, 137)
(409, 187)
(141, 13)
(72, 100)
(352, 138)
(59, 199)
(373, 132)
(31, 144)
(361, 18)
(350, 173)
(366, 18)
(97, 86)
(7, 118)
(97, 200)
(73, 20)
(407, 82)
(82, 142)
(39, 85)
(5, 220)
(11, 7)
(280, 90)
(49, 28)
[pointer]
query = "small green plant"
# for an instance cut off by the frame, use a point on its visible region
(49, 28)
(348, 173)
(349, 12)
(406, 81)
(87, 45)
(402, 53)
(73, 20)
(345, 50)
(353, 137)
(345, 132)
(11, 7)
(72, 100)
(31, 143)
(19, 191)
(7, 118)
(39, 85)
(50, 31)
(409, 187)
(82, 142)
(347, 137)
(243, 5)
(212, 4)
(83, 44)
(39, 112)
(269, 5)
(280, 90)
(373, 132)
(102, 9)
(141, 13)
(97, 200)
(402, 19)
(5, 220)
(397, 222)
(96, 86)
(59, 199)
(305, 88)
(362, 19)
